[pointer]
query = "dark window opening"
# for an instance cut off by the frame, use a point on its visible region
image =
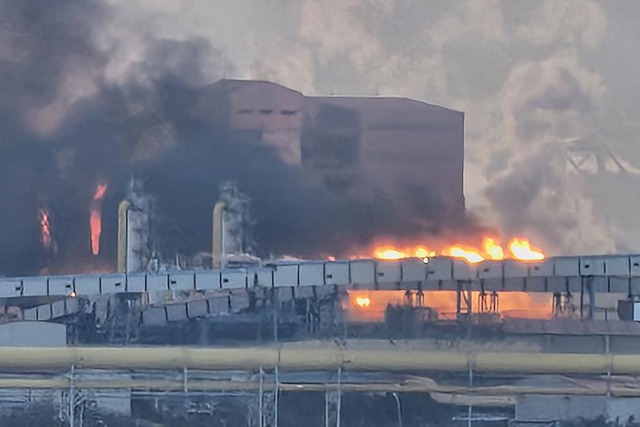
(288, 112)
(266, 112)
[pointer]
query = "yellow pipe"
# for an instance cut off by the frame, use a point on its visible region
(313, 356)
(216, 241)
(123, 209)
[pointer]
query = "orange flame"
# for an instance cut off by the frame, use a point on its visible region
(45, 228)
(391, 253)
(492, 249)
(468, 255)
(95, 217)
(518, 248)
(521, 249)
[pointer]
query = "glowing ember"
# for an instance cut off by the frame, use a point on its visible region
(492, 249)
(45, 228)
(521, 249)
(95, 218)
(363, 302)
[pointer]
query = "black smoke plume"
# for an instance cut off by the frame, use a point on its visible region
(64, 127)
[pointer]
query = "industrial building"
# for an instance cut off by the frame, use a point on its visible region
(399, 145)
(241, 340)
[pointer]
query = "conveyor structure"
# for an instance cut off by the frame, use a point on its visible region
(614, 274)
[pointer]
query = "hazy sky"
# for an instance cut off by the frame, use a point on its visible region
(539, 81)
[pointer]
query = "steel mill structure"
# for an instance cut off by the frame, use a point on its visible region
(405, 335)
(311, 340)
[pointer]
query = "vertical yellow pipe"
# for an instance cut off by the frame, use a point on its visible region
(123, 208)
(216, 250)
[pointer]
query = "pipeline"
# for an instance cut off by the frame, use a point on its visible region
(217, 238)
(123, 209)
(426, 385)
(313, 356)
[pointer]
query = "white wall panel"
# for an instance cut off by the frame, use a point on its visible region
(265, 278)
(513, 269)
(207, 280)
(182, 281)
(33, 286)
(592, 266)
(285, 275)
(10, 288)
(617, 265)
(233, 279)
(542, 268)
(136, 282)
(311, 274)
(362, 271)
(490, 269)
(157, 282)
(87, 285)
(439, 268)
(566, 266)
(388, 271)
(114, 283)
(462, 270)
(336, 273)
(413, 270)
(60, 285)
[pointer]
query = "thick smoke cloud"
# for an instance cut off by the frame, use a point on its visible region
(95, 91)
(67, 125)
(88, 104)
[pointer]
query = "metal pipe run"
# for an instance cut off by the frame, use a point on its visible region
(312, 356)
(227, 386)
(123, 209)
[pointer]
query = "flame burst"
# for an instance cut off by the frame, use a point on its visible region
(491, 249)
(95, 218)
(45, 228)
(521, 249)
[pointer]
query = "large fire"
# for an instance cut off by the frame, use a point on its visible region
(369, 306)
(95, 217)
(517, 248)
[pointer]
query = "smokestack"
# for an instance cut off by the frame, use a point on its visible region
(217, 251)
(134, 231)
(231, 231)
(123, 210)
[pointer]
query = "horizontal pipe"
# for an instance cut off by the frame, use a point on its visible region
(204, 385)
(313, 356)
